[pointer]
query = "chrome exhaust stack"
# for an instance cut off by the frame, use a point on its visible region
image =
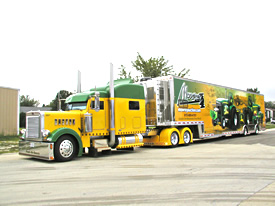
(111, 142)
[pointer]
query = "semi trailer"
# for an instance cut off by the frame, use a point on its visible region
(162, 111)
(179, 110)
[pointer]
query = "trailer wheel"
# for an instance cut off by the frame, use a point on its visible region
(174, 139)
(186, 137)
(65, 148)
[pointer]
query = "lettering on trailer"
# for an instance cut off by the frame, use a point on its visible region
(189, 110)
(185, 97)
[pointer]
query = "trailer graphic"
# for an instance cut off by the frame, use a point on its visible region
(225, 113)
(163, 111)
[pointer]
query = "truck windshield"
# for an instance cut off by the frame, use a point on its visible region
(76, 106)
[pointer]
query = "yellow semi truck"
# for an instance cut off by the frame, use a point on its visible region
(102, 119)
(163, 111)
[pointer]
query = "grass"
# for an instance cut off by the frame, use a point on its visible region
(270, 126)
(9, 144)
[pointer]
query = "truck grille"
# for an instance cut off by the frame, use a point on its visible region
(33, 127)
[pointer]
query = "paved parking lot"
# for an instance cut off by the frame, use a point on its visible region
(224, 171)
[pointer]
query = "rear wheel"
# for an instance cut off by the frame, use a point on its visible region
(174, 139)
(65, 148)
(187, 137)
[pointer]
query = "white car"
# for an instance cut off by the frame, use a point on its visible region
(272, 121)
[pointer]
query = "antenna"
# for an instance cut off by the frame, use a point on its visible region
(78, 90)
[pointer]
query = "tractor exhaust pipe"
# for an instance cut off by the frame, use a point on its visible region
(111, 142)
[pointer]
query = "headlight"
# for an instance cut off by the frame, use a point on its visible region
(45, 132)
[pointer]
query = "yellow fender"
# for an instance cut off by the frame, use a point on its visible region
(182, 131)
(165, 135)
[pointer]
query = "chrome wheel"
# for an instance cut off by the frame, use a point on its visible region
(186, 137)
(235, 119)
(174, 138)
(66, 148)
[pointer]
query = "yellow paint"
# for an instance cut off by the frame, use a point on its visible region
(165, 135)
(130, 145)
(55, 120)
(101, 119)
(182, 131)
(129, 121)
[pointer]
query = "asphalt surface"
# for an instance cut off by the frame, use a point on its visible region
(224, 171)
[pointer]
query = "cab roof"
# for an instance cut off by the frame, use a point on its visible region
(124, 88)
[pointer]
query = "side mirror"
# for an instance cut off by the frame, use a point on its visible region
(96, 104)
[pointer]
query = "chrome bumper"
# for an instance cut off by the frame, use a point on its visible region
(40, 150)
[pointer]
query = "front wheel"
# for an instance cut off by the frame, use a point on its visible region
(65, 149)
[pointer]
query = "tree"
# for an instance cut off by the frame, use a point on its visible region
(154, 67)
(62, 94)
(123, 74)
(255, 90)
(270, 105)
(27, 101)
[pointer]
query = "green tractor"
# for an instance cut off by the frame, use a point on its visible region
(225, 113)
(252, 113)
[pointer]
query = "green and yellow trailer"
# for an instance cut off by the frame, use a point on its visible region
(179, 110)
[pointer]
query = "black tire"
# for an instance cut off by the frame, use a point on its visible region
(174, 139)
(187, 137)
(214, 122)
(246, 117)
(65, 149)
(257, 130)
(223, 123)
(93, 152)
(234, 119)
(245, 132)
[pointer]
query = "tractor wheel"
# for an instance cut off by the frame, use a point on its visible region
(234, 119)
(245, 131)
(223, 123)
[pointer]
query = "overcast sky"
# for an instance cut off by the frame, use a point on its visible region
(44, 43)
